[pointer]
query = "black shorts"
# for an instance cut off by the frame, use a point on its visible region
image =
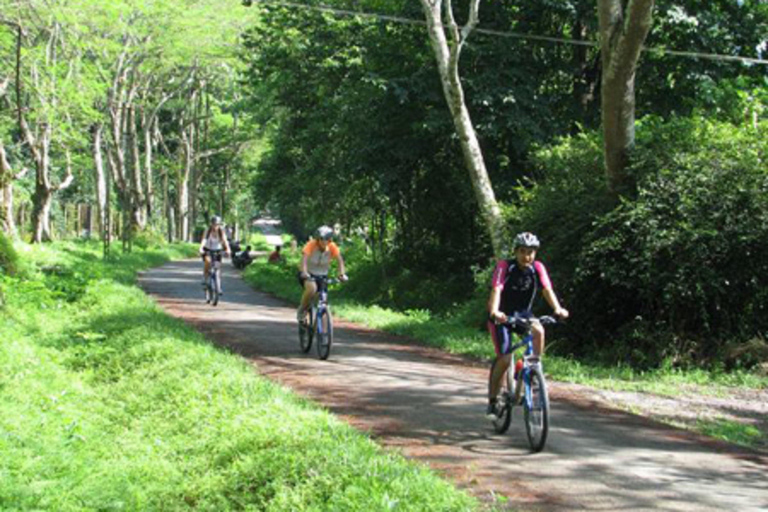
(215, 255)
(302, 279)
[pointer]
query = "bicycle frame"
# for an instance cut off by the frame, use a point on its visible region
(523, 380)
(320, 302)
(531, 395)
(213, 283)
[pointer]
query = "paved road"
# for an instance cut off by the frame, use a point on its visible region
(429, 406)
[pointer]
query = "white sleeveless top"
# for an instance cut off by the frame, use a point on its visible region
(213, 242)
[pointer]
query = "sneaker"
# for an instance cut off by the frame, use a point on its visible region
(490, 411)
(301, 316)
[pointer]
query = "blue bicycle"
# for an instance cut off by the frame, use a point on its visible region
(320, 321)
(526, 387)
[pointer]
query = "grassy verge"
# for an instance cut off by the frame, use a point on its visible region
(106, 403)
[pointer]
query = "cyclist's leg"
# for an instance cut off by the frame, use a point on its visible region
(537, 330)
(218, 274)
(502, 343)
(310, 288)
(206, 266)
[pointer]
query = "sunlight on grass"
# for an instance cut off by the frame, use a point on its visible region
(731, 431)
(106, 403)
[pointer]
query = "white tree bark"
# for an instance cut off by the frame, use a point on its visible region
(440, 19)
(622, 33)
(7, 177)
(101, 179)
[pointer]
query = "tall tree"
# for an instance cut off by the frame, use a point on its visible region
(624, 25)
(440, 19)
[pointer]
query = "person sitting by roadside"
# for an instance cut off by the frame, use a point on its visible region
(276, 256)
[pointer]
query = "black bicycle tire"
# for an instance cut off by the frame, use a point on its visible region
(537, 442)
(305, 334)
(501, 425)
(325, 339)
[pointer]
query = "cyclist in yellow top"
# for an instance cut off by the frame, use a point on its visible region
(316, 261)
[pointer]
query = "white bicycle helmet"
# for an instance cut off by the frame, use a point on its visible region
(324, 233)
(528, 240)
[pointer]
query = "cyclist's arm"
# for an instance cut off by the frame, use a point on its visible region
(340, 260)
(497, 286)
(303, 265)
(493, 304)
(551, 298)
(226, 246)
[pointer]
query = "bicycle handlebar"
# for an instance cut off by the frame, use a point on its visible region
(526, 322)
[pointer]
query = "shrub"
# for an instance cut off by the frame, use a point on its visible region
(9, 258)
(149, 238)
(675, 272)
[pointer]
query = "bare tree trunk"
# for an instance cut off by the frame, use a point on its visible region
(147, 125)
(182, 189)
(101, 179)
(622, 33)
(137, 189)
(447, 55)
(41, 214)
(7, 177)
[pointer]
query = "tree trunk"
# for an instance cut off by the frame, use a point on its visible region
(101, 180)
(41, 214)
(622, 33)
(6, 194)
(148, 147)
(447, 56)
(137, 189)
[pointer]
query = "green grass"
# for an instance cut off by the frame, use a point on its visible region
(451, 334)
(730, 431)
(106, 403)
(258, 242)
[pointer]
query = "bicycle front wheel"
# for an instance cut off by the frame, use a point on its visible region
(324, 333)
(215, 288)
(536, 409)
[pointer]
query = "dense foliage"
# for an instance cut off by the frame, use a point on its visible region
(675, 272)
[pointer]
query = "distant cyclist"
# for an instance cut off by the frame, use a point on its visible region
(214, 240)
(316, 261)
(514, 287)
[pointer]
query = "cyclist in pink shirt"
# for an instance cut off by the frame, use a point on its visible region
(514, 288)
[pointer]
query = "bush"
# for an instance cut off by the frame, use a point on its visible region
(676, 272)
(9, 258)
(149, 238)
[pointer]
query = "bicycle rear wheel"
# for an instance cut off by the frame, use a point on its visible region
(324, 333)
(536, 409)
(504, 403)
(306, 331)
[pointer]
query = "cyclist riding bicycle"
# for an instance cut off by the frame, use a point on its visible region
(316, 261)
(513, 290)
(214, 239)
